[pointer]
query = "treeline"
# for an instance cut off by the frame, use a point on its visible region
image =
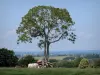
(9, 59)
(79, 62)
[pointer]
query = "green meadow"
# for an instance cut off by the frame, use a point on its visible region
(49, 71)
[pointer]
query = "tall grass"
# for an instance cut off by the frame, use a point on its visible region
(49, 71)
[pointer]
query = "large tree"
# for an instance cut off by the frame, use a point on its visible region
(48, 24)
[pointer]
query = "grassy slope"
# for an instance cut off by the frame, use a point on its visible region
(53, 71)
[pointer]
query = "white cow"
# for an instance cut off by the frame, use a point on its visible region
(33, 65)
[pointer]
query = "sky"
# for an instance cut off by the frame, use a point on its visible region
(85, 13)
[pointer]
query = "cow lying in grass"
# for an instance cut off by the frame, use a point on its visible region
(40, 64)
(33, 65)
(36, 65)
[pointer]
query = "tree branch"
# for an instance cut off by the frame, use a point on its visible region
(57, 39)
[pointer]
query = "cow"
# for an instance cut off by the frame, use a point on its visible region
(44, 64)
(33, 65)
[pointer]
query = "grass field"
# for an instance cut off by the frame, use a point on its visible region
(53, 57)
(49, 71)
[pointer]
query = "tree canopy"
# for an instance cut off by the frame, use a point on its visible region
(48, 24)
(7, 58)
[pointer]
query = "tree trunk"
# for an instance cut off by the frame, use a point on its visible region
(48, 50)
(45, 55)
(45, 52)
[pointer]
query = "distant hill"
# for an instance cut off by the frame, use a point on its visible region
(65, 52)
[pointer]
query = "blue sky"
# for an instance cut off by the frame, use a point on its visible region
(85, 13)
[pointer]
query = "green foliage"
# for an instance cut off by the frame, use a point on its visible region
(77, 61)
(48, 24)
(7, 58)
(24, 61)
(84, 63)
(91, 63)
(64, 63)
(40, 19)
(53, 60)
(96, 63)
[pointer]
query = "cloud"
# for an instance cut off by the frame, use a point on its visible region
(10, 33)
(84, 35)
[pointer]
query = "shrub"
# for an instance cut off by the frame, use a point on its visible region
(97, 62)
(77, 61)
(64, 63)
(24, 61)
(84, 63)
(53, 60)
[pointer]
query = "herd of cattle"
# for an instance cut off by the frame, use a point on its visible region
(39, 64)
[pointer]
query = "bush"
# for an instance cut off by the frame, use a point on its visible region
(84, 63)
(64, 63)
(91, 63)
(7, 58)
(97, 62)
(77, 61)
(24, 61)
(53, 60)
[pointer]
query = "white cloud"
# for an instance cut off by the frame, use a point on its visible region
(84, 35)
(10, 33)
